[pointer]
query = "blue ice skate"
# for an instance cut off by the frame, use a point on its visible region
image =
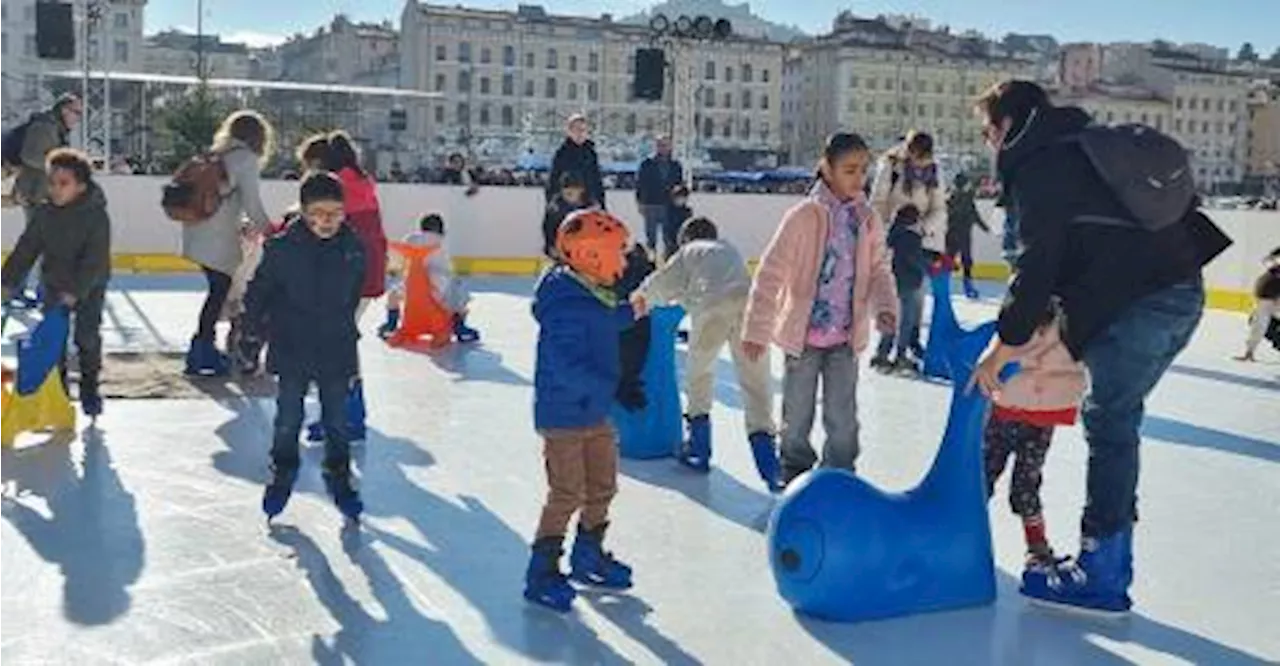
(591, 564)
(695, 453)
(544, 584)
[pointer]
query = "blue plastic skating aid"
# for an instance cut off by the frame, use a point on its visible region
(943, 328)
(841, 549)
(696, 451)
(589, 564)
(655, 431)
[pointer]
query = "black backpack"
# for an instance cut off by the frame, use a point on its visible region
(1147, 170)
(12, 146)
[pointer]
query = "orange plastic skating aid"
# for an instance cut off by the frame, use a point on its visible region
(593, 243)
(423, 315)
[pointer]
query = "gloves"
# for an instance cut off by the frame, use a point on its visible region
(630, 395)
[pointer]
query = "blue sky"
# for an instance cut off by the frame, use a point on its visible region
(1222, 22)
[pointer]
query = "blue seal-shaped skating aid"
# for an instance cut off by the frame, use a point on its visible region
(943, 328)
(655, 431)
(842, 549)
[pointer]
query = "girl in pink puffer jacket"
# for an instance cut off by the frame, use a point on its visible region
(1045, 392)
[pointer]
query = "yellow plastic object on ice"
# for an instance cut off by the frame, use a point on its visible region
(47, 408)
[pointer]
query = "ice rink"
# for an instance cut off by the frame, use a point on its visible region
(144, 542)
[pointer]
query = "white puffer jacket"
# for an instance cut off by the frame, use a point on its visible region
(889, 194)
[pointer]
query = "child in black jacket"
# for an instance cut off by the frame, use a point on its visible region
(572, 196)
(306, 290)
(907, 246)
(72, 233)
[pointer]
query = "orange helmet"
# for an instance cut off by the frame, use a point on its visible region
(593, 243)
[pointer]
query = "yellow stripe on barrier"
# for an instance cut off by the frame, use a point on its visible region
(1218, 299)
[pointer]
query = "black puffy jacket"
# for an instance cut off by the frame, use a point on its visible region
(1097, 270)
(306, 290)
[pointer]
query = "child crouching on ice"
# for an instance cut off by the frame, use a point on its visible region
(576, 375)
(449, 291)
(1045, 392)
(709, 278)
(821, 278)
(306, 291)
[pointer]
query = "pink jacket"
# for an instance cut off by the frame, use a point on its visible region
(786, 281)
(1048, 387)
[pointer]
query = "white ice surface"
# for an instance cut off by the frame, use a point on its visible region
(146, 544)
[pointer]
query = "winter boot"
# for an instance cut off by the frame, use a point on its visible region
(765, 451)
(696, 452)
(1096, 582)
(970, 291)
(881, 362)
(544, 584)
(388, 327)
(90, 400)
(344, 494)
(463, 333)
(355, 411)
(906, 365)
(591, 564)
(204, 360)
(276, 496)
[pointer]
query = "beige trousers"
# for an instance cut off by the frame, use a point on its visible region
(582, 474)
(713, 328)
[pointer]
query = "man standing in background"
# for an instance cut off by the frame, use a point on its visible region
(657, 175)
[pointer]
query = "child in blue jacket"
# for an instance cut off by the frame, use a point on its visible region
(577, 374)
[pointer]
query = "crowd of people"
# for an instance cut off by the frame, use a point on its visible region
(1095, 313)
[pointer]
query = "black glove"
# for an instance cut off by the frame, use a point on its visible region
(630, 395)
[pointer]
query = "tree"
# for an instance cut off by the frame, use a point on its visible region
(1247, 54)
(190, 123)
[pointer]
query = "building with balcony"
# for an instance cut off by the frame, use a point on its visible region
(509, 80)
(184, 54)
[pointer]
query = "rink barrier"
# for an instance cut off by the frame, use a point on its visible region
(496, 231)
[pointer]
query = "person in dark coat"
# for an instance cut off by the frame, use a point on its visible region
(1131, 298)
(306, 291)
(962, 216)
(44, 133)
(657, 175)
(572, 196)
(71, 233)
(577, 155)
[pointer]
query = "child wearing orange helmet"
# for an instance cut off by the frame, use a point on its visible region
(575, 379)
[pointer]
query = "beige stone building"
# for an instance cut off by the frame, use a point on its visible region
(178, 53)
(882, 82)
(1119, 105)
(1262, 154)
(509, 80)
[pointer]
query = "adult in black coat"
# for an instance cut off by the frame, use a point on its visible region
(577, 155)
(658, 174)
(1131, 299)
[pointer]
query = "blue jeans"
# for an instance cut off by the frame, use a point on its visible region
(910, 311)
(655, 225)
(291, 390)
(1125, 362)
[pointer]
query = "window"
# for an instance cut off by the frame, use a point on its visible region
(937, 88)
(121, 20)
(631, 123)
(764, 75)
(853, 80)
(764, 101)
(708, 128)
(745, 130)
(728, 100)
(573, 90)
(509, 56)
(528, 88)
(441, 53)
(464, 81)
(1160, 123)
(728, 75)
(1204, 127)
(937, 110)
(440, 82)
(871, 108)
(888, 109)
(709, 96)
(888, 83)
(550, 91)
(508, 117)
(1111, 117)
(1177, 125)
(593, 62)
(764, 131)
(1177, 103)
(709, 72)
(484, 85)
(747, 74)
(508, 84)
(528, 60)
(464, 113)
(1220, 104)
(486, 55)
(1232, 127)
(906, 86)
(1217, 127)
(573, 63)
(1231, 106)
(464, 52)
(921, 111)
(593, 91)
(1191, 103)
(872, 84)
(553, 59)
(439, 113)
(484, 114)
(746, 100)
(727, 130)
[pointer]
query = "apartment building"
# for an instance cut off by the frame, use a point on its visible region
(871, 78)
(115, 44)
(340, 52)
(509, 80)
(1118, 105)
(180, 54)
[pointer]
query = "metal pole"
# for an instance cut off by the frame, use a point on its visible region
(84, 79)
(200, 70)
